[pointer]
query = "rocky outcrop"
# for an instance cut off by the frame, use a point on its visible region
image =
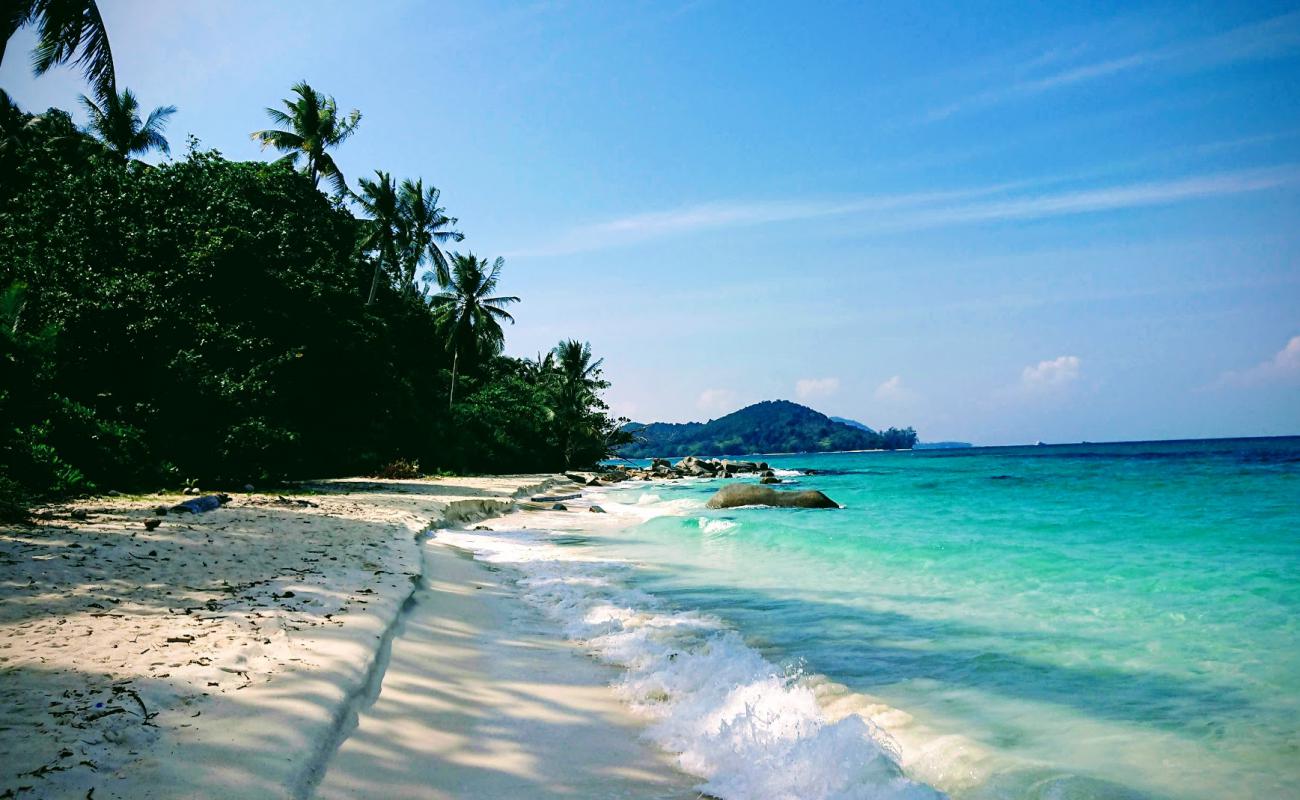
(749, 494)
(662, 469)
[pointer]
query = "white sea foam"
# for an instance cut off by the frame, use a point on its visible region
(717, 525)
(786, 473)
(747, 728)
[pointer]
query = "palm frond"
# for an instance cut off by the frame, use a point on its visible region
(69, 27)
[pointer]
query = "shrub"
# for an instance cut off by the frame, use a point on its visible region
(399, 468)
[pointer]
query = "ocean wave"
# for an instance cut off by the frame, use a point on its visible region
(717, 525)
(746, 727)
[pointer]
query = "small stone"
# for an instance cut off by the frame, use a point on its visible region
(248, 487)
(559, 507)
(150, 524)
(113, 493)
(161, 511)
(78, 513)
(596, 510)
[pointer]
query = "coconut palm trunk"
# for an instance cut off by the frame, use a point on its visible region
(451, 396)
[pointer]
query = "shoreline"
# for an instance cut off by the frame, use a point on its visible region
(738, 724)
(221, 654)
(423, 671)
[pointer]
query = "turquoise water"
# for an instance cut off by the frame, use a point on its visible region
(1092, 621)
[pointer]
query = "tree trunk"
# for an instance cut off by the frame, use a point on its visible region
(451, 396)
(374, 283)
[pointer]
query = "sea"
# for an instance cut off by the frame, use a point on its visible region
(1059, 622)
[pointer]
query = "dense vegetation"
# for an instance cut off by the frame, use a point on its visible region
(773, 426)
(227, 322)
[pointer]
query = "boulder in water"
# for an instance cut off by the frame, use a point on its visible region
(749, 494)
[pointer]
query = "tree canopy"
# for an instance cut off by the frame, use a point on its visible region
(227, 322)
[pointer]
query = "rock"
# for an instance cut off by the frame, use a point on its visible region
(161, 511)
(191, 490)
(749, 494)
(697, 467)
(769, 479)
(767, 473)
(596, 510)
(79, 513)
(559, 507)
(113, 493)
(248, 487)
(150, 524)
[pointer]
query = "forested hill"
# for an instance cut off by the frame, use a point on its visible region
(773, 426)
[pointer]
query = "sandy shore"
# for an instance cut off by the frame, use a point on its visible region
(229, 654)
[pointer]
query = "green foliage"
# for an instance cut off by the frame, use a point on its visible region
(773, 426)
(210, 318)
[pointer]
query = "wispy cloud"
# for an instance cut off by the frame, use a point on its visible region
(812, 388)
(1109, 198)
(917, 210)
(1265, 39)
(650, 225)
(1283, 366)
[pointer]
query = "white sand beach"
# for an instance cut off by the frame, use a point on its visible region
(296, 647)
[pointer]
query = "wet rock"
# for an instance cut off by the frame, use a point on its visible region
(559, 507)
(596, 510)
(749, 494)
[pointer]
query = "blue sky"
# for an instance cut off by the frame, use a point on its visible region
(994, 222)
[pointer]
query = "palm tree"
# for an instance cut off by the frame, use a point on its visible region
(310, 128)
(115, 121)
(66, 28)
(579, 375)
(579, 385)
(537, 370)
(423, 225)
(379, 199)
(471, 317)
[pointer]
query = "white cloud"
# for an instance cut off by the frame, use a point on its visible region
(1284, 365)
(893, 391)
(1268, 38)
(1052, 375)
(885, 213)
(717, 400)
(810, 388)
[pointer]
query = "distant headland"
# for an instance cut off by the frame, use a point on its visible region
(772, 426)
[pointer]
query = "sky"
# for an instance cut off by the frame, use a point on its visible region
(995, 222)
